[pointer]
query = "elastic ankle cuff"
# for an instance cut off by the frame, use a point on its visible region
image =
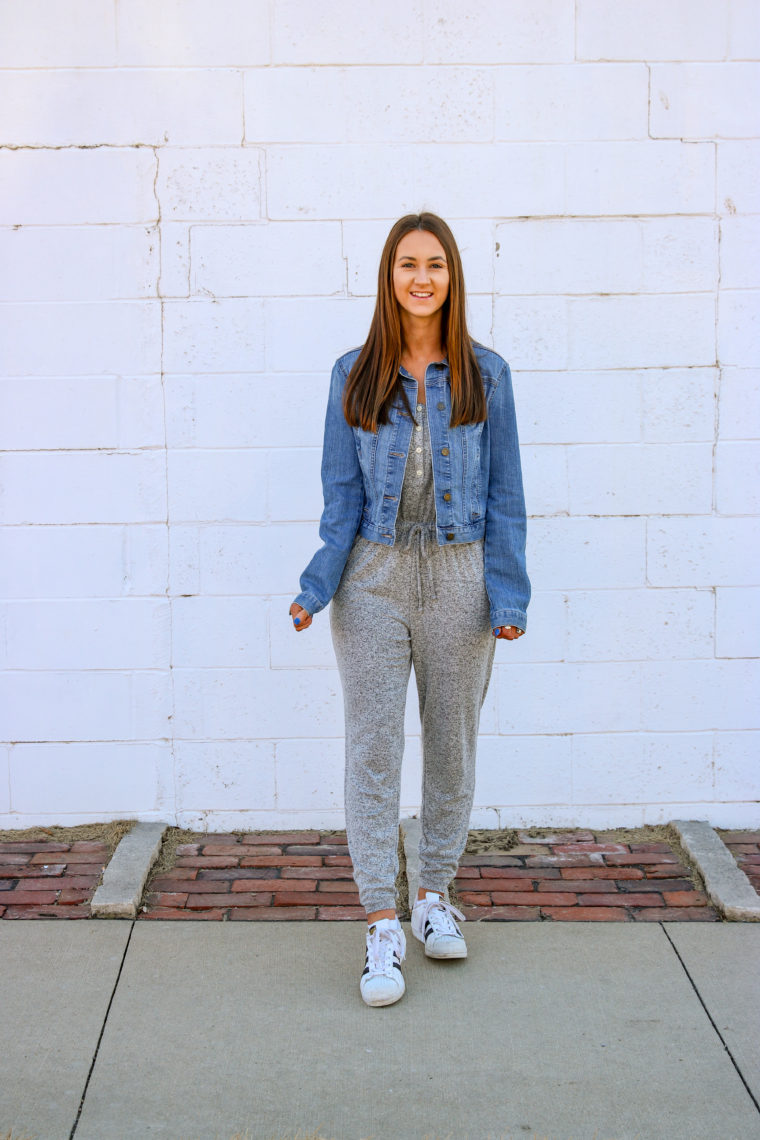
(371, 905)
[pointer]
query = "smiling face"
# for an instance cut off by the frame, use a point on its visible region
(420, 274)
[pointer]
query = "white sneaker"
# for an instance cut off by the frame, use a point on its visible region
(433, 923)
(382, 982)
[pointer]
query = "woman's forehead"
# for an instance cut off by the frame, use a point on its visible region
(420, 243)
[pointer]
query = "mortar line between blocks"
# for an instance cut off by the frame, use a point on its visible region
(710, 1018)
(75, 1125)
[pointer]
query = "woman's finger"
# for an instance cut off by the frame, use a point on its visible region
(301, 617)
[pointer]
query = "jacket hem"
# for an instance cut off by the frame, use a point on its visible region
(469, 532)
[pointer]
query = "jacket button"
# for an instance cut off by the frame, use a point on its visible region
(444, 451)
(441, 407)
(449, 537)
(446, 495)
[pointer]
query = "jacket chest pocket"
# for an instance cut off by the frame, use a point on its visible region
(366, 449)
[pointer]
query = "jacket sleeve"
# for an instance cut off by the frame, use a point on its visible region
(343, 493)
(507, 581)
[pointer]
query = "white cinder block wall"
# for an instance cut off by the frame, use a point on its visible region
(194, 197)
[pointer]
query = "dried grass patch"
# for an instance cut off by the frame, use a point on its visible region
(110, 833)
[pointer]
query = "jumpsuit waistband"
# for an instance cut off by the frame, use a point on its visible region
(420, 539)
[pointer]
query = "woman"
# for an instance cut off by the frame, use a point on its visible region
(423, 558)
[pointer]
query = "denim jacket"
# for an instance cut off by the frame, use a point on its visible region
(476, 475)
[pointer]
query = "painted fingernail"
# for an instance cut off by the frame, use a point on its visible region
(496, 631)
(297, 621)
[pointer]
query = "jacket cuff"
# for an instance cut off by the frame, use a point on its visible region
(308, 602)
(506, 617)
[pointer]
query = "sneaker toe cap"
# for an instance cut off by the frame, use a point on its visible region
(382, 990)
(446, 946)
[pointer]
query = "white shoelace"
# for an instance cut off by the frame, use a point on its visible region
(440, 914)
(380, 947)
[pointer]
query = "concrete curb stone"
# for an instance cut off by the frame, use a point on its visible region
(727, 886)
(119, 894)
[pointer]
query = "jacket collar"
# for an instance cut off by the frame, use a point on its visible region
(437, 372)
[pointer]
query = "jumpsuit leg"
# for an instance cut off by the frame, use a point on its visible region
(453, 652)
(378, 630)
(372, 645)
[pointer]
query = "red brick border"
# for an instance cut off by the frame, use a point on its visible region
(571, 877)
(308, 876)
(49, 880)
(745, 848)
(280, 876)
(303, 876)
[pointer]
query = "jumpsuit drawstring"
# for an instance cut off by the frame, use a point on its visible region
(420, 540)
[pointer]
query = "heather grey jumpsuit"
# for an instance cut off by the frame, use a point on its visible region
(423, 604)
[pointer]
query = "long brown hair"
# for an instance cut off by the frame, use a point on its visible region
(375, 380)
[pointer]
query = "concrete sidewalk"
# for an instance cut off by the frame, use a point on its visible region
(193, 1031)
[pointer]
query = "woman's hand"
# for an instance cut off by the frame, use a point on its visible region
(508, 632)
(301, 619)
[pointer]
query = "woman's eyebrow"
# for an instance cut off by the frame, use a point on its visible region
(409, 257)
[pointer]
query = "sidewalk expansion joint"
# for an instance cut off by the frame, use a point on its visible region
(726, 885)
(124, 878)
(75, 1125)
(710, 1018)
